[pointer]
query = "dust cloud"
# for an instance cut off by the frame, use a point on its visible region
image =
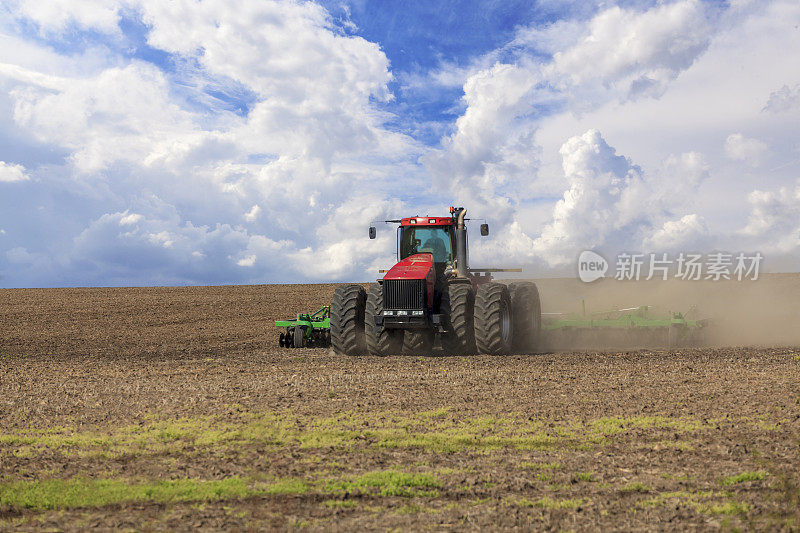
(762, 312)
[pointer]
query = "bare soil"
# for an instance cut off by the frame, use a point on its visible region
(632, 440)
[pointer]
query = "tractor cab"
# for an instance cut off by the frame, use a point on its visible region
(435, 240)
(432, 235)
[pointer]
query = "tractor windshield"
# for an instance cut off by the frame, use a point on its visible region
(436, 240)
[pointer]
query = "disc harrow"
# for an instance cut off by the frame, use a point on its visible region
(633, 327)
(308, 330)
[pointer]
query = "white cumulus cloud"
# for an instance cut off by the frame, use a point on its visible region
(634, 53)
(248, 261)
(493, 161)
(310, 136)
(128, 219)
(10, 172)
(774, 220)
(784, 99)
(687, 233)
(742, 148)
(252, 215)
(55, 16)
(119, 115)
(613, 203)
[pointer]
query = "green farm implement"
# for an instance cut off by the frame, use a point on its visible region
(307, 330)
(631, 327)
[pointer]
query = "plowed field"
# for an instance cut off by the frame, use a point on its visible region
(174, 408)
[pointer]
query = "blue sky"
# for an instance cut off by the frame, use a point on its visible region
(419, 37)
(144, 142)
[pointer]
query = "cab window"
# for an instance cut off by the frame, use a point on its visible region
(436, 240)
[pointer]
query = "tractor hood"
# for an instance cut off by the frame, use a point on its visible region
(416, 266)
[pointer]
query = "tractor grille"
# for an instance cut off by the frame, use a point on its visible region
(404, 294)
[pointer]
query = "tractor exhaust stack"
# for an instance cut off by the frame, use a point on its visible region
(461, 243)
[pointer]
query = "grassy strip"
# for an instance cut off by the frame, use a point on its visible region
(435, 431)
(699, 501)
(744, 477)
(81, 492)
(635, 487)
(389, 483)
(84, 492)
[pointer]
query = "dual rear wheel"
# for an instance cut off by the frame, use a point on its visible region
(347, 319)
(494, 329)
(526, 310)
(507, 318)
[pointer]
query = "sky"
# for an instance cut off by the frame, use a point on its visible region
(214, 142)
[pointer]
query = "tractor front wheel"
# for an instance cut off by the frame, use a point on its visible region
(384, 341)
(494, 327)
(347, 319)
(458, 306)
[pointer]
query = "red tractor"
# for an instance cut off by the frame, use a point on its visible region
(432, 291)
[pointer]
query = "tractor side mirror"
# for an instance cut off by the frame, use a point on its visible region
(372, 232)
(484, 230)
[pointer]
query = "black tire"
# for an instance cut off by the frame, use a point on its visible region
(418, 341)
(526, 312)
(386, 341)
(494, 327)
(347, 320)
(458, 308)
(299, 337)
